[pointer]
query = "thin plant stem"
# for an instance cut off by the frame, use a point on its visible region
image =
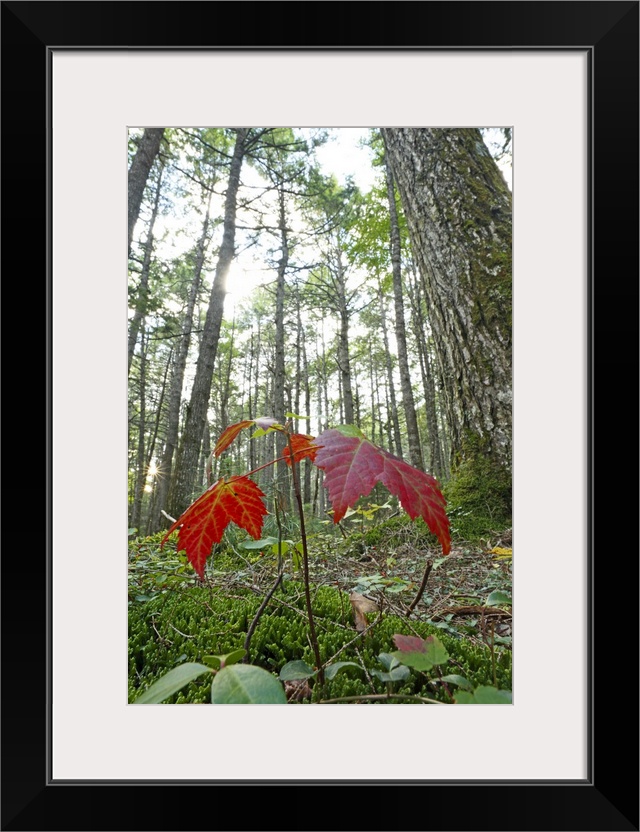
(423, 586)
(256, 617)
(493, 655)
(305, 559)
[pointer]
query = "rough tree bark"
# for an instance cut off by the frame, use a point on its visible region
(143, 289)
(139, 172)
(184, 485)
(177, 378)
(458, 211)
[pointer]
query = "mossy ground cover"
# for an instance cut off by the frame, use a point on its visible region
(175, 618)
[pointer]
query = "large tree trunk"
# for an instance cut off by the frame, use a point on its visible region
(189, 451)
(458, 211)
(139, 172)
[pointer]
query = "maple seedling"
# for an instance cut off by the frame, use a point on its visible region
(352, 466)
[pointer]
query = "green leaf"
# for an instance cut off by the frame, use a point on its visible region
(460, 681)
(497, 598)
(226, 659)
(259, 544)
(259, 431)
(483, 695)
(171, 683)
(295, 416)
(388, 661)
(246, 684)
(419, 653)
(464, 698)
(285, 546)
(398, 674)
(332, 669)
(295, 670)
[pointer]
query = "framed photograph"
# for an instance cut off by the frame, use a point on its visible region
(564, 78)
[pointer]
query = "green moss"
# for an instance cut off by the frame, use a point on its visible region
(186, 626)
(479, 498)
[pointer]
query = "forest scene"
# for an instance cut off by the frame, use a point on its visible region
(320, 416)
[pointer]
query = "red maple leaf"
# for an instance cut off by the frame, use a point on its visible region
(236, 499)
(229, 434)
(303, 445)
(353, 465)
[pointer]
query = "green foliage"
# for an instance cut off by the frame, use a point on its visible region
(187, 626)
(246, 684)
(171, 683)
(153, 572)
(478, 494)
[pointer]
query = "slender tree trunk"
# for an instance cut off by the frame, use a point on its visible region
(255, 353)
(343, 344)
(226, 381)
(152, 446)
(307, 412)
(408, 403)
(189, 450)
(373, 385)
(143, 288)
(139, 173)
(204, 453)
(437, 463)
(141, 471)
(165, 474)
(458, 211)
(279, 364)
(303, 381)
(389, 366)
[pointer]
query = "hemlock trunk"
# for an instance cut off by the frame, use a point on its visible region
(458, 211)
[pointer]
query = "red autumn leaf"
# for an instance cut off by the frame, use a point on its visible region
(303, 445)
(353, 465)
(229, 434)
(237, 500)
(410, 644)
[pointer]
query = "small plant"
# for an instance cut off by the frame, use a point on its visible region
(352, 466)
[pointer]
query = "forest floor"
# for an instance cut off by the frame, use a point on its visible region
(379, 571)
(467, 592)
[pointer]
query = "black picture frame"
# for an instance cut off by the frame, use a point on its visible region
(608, 799)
